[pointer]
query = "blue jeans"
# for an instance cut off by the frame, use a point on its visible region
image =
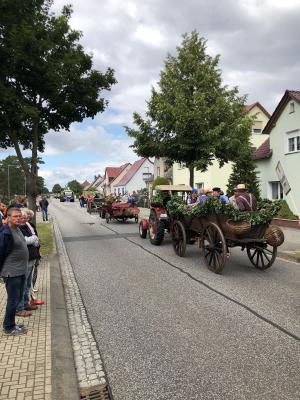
(14, 288)
(45, 214)
(26, 290)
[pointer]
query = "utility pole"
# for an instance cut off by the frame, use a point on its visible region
(8, 185)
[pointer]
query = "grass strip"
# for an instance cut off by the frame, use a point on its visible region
(46, 238)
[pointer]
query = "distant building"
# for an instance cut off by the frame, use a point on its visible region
(85, 184)
(160, 169)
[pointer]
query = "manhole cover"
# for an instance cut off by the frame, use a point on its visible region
(99, 392)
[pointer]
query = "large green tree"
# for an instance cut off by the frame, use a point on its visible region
(192, 118)
(13, 180)
(75, 186)
(46, 79)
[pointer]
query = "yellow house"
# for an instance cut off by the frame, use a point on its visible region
(216, 176)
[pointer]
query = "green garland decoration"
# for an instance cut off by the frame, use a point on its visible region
(266, 210)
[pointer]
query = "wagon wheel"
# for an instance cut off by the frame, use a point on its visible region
(214, 248)
(178, 238)
(262, 255)
(142, 230)
(107, 217)
(156, 229)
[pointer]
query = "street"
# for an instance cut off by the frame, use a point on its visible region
(168, 329)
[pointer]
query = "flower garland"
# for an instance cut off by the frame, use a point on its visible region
(266, 210)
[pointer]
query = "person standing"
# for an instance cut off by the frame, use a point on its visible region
(44, 207)
(32, 241)
(13, 265)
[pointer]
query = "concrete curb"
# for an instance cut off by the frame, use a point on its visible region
(64, 379)
(89, 367)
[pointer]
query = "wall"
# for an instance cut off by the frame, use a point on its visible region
(290, 162)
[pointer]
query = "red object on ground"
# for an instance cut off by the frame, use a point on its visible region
(37, 302)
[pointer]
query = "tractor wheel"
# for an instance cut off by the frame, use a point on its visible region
(142, 230)
(156, 229)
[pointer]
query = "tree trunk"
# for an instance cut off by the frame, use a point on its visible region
(191, 169)
(31, 195)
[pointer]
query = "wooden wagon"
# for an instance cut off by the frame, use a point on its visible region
(119, 212)
(216, 234)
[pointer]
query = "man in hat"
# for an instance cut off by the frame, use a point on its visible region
(193, 197)
(245, 201)
(217, 192)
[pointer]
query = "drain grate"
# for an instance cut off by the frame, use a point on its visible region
(99, 392)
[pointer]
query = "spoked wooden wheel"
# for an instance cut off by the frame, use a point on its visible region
(261, 255)
(179, 238)
(214, 248)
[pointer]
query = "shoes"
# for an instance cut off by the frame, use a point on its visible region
(31, 307)
(16, 331)
(23, 313)
(37, 302)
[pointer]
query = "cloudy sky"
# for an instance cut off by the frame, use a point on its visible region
(258, 41)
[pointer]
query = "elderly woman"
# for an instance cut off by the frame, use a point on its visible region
(32, 241)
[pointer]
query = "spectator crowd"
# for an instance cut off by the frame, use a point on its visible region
(19, 261)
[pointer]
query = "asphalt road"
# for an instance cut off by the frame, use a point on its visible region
(169, 329)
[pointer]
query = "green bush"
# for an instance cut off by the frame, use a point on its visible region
(285, 211)
(160, 180)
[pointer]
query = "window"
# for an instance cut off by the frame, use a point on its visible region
(256, 130)
(292, 107)
(200, 185)
(293, 141)
(276, 190)
(181, 165)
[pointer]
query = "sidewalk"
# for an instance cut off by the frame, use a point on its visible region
(40, 364)
(25, 361)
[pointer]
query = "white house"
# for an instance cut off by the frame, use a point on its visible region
(278, 158)
(135, 178)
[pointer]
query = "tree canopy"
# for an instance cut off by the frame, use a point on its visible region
(56, 188)
(192, 118)
(244, 171)
(75, 186)
(13, 180)
(46, 79)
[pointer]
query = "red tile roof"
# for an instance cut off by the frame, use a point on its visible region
(249, 107)
(288, 95)
(113, 172)
(85, 184)
(131, 172)
(263, 151)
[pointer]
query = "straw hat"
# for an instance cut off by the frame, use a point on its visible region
(208, 190)
(240, 186)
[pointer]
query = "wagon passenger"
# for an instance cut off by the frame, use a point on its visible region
(245, 201)
(219, 194)
(193, 197)
(204, 194)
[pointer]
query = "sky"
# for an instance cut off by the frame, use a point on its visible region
(258, 43)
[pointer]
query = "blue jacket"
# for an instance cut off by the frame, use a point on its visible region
(6, 243)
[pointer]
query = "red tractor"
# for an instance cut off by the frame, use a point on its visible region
(159, 221)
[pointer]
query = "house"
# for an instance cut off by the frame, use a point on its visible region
(216, 176)
(278, 158)
(111, 173)
(160, 169)
(85, 185)
(135, 178)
